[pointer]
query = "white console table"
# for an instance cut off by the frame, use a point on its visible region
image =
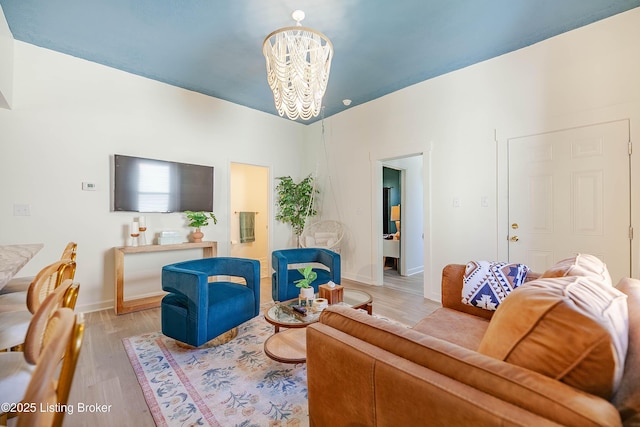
(209, 250)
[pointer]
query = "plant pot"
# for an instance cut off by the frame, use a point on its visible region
(197, 236)
(307, 293)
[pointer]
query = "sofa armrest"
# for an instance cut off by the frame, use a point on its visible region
(452, 277)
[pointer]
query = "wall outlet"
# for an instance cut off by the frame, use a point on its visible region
(21, 210)
(456, 202)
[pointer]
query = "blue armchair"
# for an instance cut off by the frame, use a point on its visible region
(283, 286)
(196, 311)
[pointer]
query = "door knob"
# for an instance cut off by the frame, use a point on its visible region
(514, 238)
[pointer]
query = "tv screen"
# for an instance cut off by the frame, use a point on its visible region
(147, 185)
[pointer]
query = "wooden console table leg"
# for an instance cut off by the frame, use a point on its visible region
(119, 272)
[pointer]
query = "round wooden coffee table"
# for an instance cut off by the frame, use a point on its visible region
(290, 346)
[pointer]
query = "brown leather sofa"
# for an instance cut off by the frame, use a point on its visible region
(365, 371)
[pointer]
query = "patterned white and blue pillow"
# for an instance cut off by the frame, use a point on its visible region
(486, 284)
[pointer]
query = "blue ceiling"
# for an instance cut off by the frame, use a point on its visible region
(215, 46)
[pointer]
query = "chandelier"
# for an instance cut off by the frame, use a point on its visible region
(298, 63)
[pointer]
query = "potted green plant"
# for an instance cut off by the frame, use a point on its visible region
(308, 276)
(198, 220)
(295, 202)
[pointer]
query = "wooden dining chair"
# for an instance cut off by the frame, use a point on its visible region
(17, 368)
(45, 386)
(15, 322)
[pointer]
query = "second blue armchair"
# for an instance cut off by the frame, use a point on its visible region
(285, 275)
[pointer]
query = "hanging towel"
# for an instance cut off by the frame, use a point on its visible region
(247, 227)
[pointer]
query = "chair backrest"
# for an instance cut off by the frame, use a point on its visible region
(69, 252)
(324, 234)
(69, 367)
(71, 296)
(44, 388)
(48, 279)
(38, 333)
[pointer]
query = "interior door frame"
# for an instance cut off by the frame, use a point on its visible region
(377, 267)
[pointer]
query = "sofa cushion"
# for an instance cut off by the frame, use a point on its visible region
(465, 330)
(584, 265)
(569, 328)
(627, 398)
(486, 284)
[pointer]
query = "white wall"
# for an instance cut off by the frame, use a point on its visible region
(6, 63)
(69, 117)
(588, 75)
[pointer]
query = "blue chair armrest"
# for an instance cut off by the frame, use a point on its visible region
(332, 260)
(190, 285)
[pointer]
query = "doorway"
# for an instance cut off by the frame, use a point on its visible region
(402, 239)
(249, 213)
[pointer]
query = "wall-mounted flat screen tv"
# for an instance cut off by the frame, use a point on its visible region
(148, 185)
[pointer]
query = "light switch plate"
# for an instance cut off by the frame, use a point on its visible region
(21, 210)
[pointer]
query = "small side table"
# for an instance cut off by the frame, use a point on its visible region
(288, 346)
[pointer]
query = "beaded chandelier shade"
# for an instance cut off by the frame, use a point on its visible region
(298, 64)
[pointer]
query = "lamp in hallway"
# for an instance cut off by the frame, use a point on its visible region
(298, 64)
(395, 216)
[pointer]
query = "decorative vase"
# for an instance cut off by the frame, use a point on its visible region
(307, 294)
(197, 236)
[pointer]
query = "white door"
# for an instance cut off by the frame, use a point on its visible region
(569, 192)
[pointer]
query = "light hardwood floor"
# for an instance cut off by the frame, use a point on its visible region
(413, 284)
(105, 376)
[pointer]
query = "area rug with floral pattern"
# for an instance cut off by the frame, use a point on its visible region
(233, 384)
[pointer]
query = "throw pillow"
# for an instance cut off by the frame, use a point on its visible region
(581, 265)
(486, 284)
(570, 328)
